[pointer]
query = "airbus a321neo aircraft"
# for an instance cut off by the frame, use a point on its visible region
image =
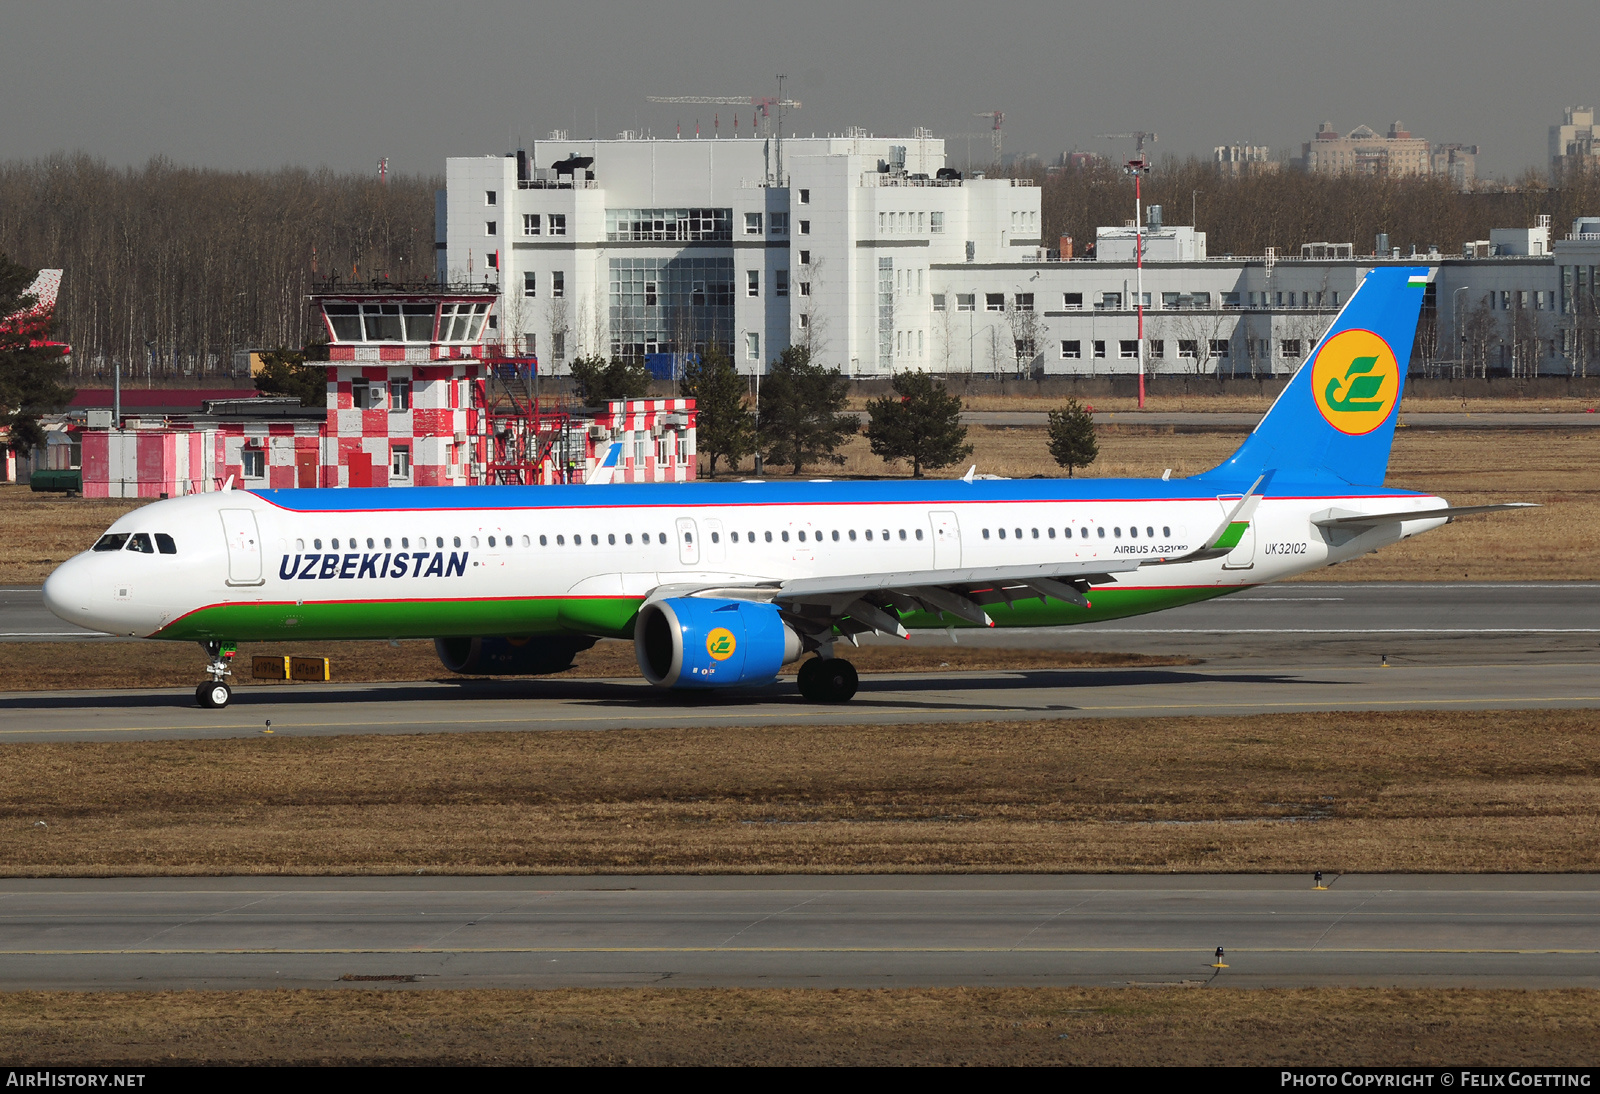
(722, 584)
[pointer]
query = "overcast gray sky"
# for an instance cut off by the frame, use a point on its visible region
(233, 84)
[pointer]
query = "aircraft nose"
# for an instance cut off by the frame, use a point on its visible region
(66, 591)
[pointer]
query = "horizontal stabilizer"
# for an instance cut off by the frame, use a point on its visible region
(1336, 518)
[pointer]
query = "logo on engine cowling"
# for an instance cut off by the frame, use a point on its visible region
(720, 644)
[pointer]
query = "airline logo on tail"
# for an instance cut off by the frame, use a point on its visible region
(1355, 381)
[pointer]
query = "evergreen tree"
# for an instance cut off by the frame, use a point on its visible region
(1072, 440)
(921, 422)
(724, 426)
(800, 411)
(30, 376)
(596, 381)
(285, 372)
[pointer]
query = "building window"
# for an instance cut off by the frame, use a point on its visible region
(494, 322)
(780, 224)
(255, 463)
(752, 224)
(558, 284)
(805, 197)
(752, 282)
(1219, 347)
(780, 282)
(650, 295)
(530, 284)
(994, 301)
(752, 347)
(1188, 347)
(1072, 300)
(400, 461)
(530, 343)
(399, 394)
(1290, 348)
(1202, 301)
(488, 197)
(558, 345)
(1025, 349)
(805, 258)
(1071, 350)
(530, 224)
(1112, 300)
(938, 301)
(489, 227)
(1024, 301)
(966, 301)
(936, 223)
(558, 224)
(805, 288)
(492, 259)
(805, 321)
(805, 227)
(1158, 348)
(1128, 347)
(883, 223)
(1230, 300)
(1099, 348)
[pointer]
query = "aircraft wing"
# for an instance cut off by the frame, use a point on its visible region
(858, 603)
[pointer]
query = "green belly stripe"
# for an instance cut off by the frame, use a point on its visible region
(607, 617)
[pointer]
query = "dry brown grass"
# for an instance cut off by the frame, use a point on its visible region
(1511, 791)
(1331, 1027)
(1241, 402)
(48, 666)
(1554, 467)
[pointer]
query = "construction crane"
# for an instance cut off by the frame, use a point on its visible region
(1138, 137)
(763, 104)
(996, 128)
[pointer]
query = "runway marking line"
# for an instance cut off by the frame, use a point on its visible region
(769, 949)
(787, 715)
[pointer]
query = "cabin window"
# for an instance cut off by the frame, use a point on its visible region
(543, 542)
(405, 542)
(594, 539)
(1002, 533)
(1035, 533)
(1166, 531)
(986, 533)
(886, 535)
(1150, 533)
(852, 535)
(1019, 533)
(836, 535)
(457, 541)
(1117, 531)
(1133, 533)
(140, 542)
(299, 545)
(919, 533)
(628, 538)
(438, 541)
(663, 536)
(769, 537)
(785, 536)
(526, 542)
(112, 542)
(869, 535)
(369, 543)
(1084, 532)
(1102, 532)
(902, 533)
(316, 544)
(1052, 533)
(473, 541)
(165, 545)
(561, 541)
(716, 538)
(386, 543)
(491, 541)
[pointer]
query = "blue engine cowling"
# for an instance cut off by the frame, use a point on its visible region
(690, 642)
(510, 656)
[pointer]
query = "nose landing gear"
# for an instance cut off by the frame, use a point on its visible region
(215, 693)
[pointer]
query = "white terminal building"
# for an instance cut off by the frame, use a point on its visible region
(878, 257)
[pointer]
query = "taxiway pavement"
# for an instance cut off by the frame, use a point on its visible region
(610, 931)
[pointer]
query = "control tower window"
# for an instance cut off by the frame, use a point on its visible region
(345, 319)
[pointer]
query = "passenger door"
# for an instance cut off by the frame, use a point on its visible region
(1243, 555)
(244, 546)
(946, 541)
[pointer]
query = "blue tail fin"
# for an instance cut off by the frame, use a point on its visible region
(1335, 418)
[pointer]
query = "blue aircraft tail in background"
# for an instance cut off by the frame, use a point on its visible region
(1335, 419)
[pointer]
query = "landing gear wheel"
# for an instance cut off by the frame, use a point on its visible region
(833, 680)
(213, 695)
(806, 679)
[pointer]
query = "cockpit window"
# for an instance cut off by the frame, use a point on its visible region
(165, 544)
(140, 541)
(112, 541)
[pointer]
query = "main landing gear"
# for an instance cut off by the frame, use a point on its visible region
(215, 693)
(828, 680)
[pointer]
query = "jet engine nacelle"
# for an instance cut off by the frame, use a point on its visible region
(510, 656)
(690, 642)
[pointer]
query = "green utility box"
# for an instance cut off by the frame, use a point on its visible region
(56, 482)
